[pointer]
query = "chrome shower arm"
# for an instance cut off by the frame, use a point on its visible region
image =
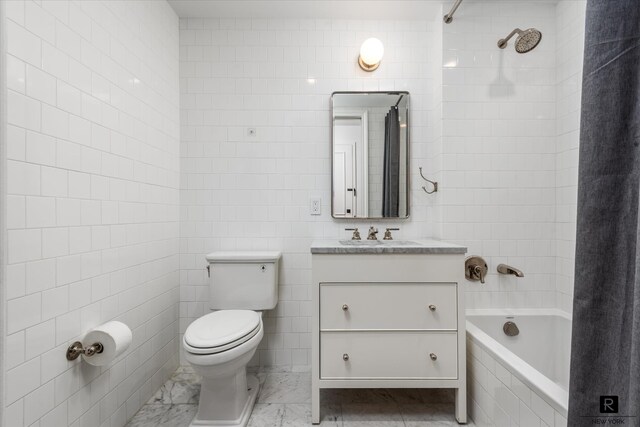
(502, 43)
(449, 16)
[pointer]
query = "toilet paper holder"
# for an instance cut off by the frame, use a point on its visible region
(76, 349)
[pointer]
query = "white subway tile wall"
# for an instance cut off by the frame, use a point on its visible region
(499, 150)
(242, 191)
(569, 58)
(92, 206)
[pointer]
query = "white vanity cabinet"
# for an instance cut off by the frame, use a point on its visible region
(383, 319)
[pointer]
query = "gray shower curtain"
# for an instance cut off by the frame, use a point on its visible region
(605, 356)
(391, 170)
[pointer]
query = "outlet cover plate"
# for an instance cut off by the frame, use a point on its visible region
(315, 205)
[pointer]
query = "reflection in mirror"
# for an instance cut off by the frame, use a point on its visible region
(370, 154)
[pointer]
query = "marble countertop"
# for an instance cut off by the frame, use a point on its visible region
(385, 247)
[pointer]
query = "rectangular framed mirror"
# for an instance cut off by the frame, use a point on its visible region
(370, 155)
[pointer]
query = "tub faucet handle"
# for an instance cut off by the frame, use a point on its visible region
(475, 268)
(479, 272)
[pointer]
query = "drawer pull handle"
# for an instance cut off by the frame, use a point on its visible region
(345, 357)
(433, 356)
(432, 307)
(345, 307)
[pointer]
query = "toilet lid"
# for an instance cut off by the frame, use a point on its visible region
(221, 328)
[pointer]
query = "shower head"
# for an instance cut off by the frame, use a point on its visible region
(526, 41)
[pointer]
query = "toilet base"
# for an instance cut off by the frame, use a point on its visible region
(253, 386)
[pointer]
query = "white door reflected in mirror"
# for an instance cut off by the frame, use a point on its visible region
(348, 168)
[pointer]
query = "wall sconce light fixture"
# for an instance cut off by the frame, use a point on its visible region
(371, 53)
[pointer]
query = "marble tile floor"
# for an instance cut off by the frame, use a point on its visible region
(284, 401)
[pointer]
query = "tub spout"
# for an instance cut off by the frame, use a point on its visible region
(507, 269)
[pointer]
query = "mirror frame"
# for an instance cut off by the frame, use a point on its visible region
(408, 150)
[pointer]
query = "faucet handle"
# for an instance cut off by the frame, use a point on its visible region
(356, 233)
(478, 272)
(475, 268)
(387, 233)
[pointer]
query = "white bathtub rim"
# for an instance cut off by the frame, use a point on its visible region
(517, 312)
(546, 389)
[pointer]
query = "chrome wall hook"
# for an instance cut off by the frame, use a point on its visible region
(433, 183)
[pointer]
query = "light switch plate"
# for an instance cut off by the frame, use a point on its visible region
(315, 206)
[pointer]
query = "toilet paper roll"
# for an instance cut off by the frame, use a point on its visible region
(115, 338)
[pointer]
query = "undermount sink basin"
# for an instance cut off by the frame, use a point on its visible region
(377, 242)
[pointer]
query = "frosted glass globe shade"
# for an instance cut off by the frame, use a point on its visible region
(371, 51)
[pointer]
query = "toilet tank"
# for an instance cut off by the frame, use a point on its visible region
(243, 280)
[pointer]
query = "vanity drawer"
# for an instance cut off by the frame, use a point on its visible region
(388, 306)
(388, 355)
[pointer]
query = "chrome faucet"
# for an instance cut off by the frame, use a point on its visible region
(507, 269)
(372, 233)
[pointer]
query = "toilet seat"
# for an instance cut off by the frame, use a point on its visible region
(221, 331)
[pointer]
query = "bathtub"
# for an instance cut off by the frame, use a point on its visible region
(520, 380)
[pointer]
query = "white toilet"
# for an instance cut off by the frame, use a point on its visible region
(220, 344)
